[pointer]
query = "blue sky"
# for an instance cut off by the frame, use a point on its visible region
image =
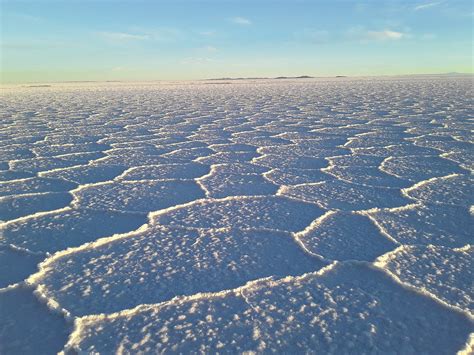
(151, 40)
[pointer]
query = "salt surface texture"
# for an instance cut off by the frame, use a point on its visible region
(328, 215)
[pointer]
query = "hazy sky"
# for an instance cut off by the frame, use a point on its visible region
(45, 40)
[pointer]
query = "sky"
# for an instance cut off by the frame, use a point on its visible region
(69, 40)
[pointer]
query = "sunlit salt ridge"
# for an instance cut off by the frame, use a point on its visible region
(269, 216)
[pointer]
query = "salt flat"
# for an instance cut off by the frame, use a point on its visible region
(319, 215)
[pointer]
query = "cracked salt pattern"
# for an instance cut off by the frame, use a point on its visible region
(275, 216)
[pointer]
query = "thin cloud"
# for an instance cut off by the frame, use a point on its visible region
(241, 21)
(159, 34)
(363, 35)
(385, 35)
(427, 5)
(122, 36)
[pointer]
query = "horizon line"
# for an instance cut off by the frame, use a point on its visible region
(236, 78)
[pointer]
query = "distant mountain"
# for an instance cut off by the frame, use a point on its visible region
(265, 78)
(251, 78)
(336, 76)
(295, 77)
